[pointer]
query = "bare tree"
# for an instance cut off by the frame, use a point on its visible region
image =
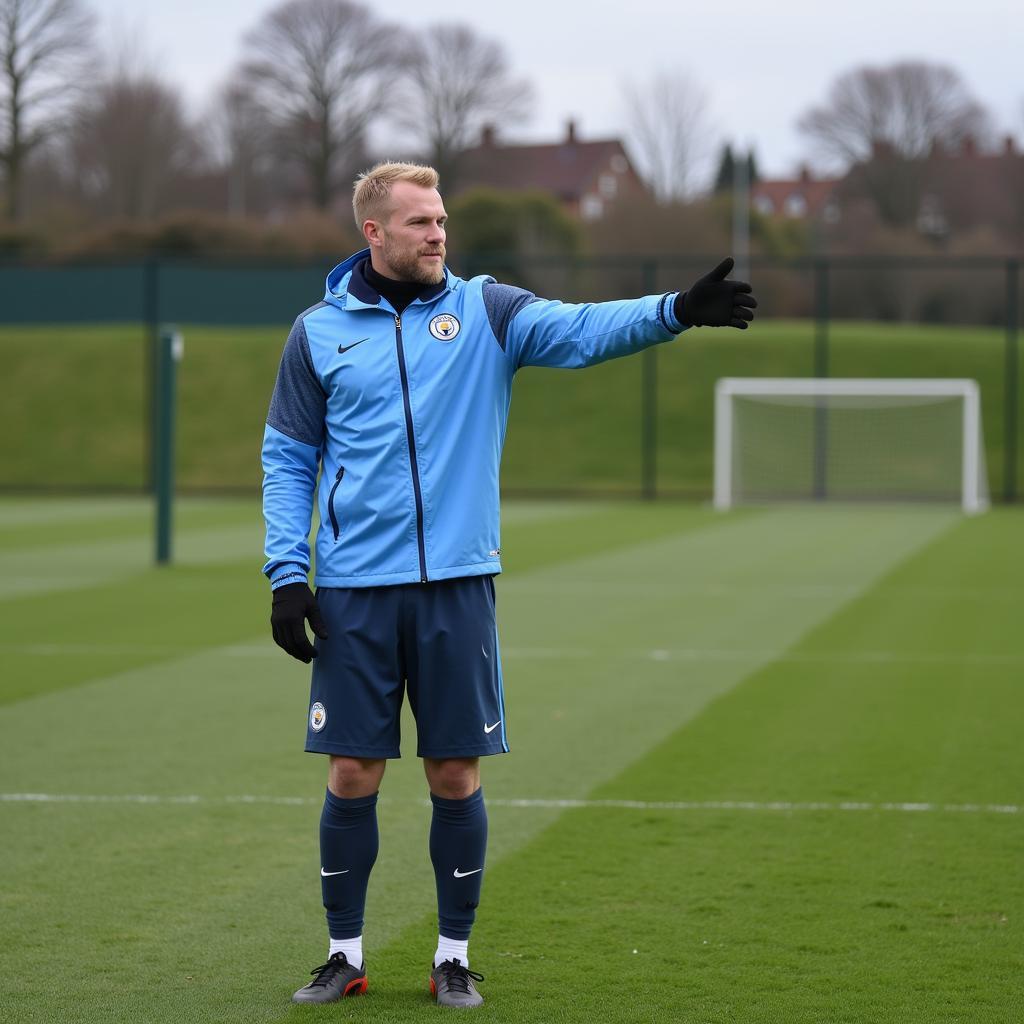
(906, 108)
(242, 140)
(43, 45)
(885, 122)
(457, 82)
(131, 146)
(320, 71)
(669, 132)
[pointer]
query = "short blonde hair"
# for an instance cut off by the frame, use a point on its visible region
(372, 189)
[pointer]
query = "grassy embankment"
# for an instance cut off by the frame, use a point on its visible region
(75, 400)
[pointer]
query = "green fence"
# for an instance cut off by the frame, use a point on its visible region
(77, 344)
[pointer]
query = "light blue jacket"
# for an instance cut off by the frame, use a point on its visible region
(405, 420)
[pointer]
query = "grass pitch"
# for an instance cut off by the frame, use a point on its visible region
(766, 767)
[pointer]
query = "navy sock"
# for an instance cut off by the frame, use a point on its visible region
(458, 841)
(348, 849)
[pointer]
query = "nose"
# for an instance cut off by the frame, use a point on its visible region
(436, 233)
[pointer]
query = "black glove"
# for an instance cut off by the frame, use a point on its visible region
(293, 604)
(714, 302)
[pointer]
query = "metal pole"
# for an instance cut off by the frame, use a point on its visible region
(1012, 376)
(170, 348)
(150, 314)
(821, 314)
(821, 317)
(741, 214)
(649, 403)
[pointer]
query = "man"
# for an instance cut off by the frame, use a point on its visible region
(396, 389)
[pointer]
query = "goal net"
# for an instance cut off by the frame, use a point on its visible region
(822, 439)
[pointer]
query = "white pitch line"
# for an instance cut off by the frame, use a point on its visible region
(684, 654)
(694, 654)
(755, 805)
(557, 804)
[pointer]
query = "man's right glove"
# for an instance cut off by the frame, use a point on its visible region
(292, 605)
(714, 302)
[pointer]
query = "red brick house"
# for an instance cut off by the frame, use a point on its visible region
(802, 197)
(586, 177)
(949, 190)
(966, 187)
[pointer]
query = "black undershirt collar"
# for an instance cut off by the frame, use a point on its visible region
(399, 293)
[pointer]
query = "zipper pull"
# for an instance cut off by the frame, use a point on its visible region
(398, 322)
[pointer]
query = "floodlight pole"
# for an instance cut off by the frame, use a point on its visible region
(741, 214)
(170, 348)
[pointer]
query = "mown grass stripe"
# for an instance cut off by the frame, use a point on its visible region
(694, 654)
(84, 611)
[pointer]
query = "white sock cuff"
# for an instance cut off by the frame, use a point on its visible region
(352, 948)
(450, 949)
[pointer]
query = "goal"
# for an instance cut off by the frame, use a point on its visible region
(823, 439)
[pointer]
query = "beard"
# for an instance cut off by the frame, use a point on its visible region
(405, 265)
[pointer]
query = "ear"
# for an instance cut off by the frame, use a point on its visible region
(372, 233)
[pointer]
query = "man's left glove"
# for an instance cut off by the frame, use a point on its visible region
(292, 605)
(714, 302)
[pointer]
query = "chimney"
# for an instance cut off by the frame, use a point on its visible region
(1009, 149)
(570, 132)
(805, 174)
(968, 147)
(487, 136)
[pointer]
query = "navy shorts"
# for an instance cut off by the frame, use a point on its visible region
(437, 641)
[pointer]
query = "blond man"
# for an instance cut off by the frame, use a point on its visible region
(394, 392)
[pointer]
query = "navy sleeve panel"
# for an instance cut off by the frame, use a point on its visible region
(502, 302)
(298, 407)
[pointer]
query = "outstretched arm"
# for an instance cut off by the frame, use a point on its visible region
(545, 332)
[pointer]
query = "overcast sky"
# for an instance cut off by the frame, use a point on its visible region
(760, 64)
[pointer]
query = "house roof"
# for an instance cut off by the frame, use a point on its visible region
(815, 192)
(567, 169)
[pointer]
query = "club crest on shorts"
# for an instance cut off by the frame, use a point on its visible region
(445, 327)
(317, 717)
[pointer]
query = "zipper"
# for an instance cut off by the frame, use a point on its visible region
(412, 449)
(330, 502)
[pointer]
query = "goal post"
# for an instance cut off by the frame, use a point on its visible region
(815, 439)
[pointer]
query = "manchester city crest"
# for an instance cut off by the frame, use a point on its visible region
(445, 327)
(317, 717)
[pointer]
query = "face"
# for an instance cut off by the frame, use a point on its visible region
(409, 246)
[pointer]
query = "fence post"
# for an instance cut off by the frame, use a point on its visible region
(150, 316)
(821, 315)
(170, 348)
(649, 402)
(1011, 375)
(822, 312)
